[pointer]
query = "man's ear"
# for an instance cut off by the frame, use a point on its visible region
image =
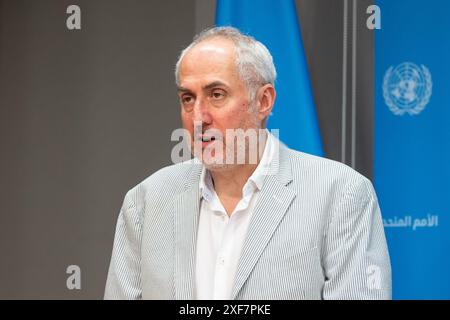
(265, 98)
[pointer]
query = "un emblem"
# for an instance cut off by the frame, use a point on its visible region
(407, 88)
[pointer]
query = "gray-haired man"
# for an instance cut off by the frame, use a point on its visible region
(286, 226)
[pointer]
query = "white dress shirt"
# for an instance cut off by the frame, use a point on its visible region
(220, 237)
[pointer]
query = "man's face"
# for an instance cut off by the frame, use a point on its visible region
(213, 96)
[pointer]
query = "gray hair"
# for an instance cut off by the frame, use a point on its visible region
(254, 62)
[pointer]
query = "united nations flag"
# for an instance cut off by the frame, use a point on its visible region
(412, 144)
(407, 88)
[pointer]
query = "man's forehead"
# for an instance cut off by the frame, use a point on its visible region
(219, 49)
(208, 62)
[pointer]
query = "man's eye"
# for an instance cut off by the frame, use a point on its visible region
(187, 99)
(218, 95)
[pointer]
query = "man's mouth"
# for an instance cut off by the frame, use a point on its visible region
(208, 139)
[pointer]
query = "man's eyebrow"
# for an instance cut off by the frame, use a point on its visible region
(214, 84)
(206, 87)
(182, 89)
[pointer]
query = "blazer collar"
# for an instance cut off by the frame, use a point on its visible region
(274, 200)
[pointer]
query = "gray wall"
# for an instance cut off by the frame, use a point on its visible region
(85, 115)
(339, 51)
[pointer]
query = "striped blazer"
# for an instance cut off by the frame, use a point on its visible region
(315, 233)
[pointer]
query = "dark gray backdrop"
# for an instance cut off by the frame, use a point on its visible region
(85, 115)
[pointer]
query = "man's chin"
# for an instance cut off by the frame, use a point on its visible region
(217, 167)
(213, 164)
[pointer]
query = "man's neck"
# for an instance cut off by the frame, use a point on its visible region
(229, 183)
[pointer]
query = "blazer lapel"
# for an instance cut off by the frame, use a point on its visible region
(274, 200)
(186, 212)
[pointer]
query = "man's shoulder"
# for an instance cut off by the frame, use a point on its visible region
(323, 170)
(174, 174)
(167, 181)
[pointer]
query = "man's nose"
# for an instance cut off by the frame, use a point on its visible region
(202, 111)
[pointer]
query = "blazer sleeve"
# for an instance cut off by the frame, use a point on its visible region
(355, 257)
(124, 275)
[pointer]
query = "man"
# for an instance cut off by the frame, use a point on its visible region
(286, 226)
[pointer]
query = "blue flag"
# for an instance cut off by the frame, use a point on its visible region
(412, 144)
(274, 23)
